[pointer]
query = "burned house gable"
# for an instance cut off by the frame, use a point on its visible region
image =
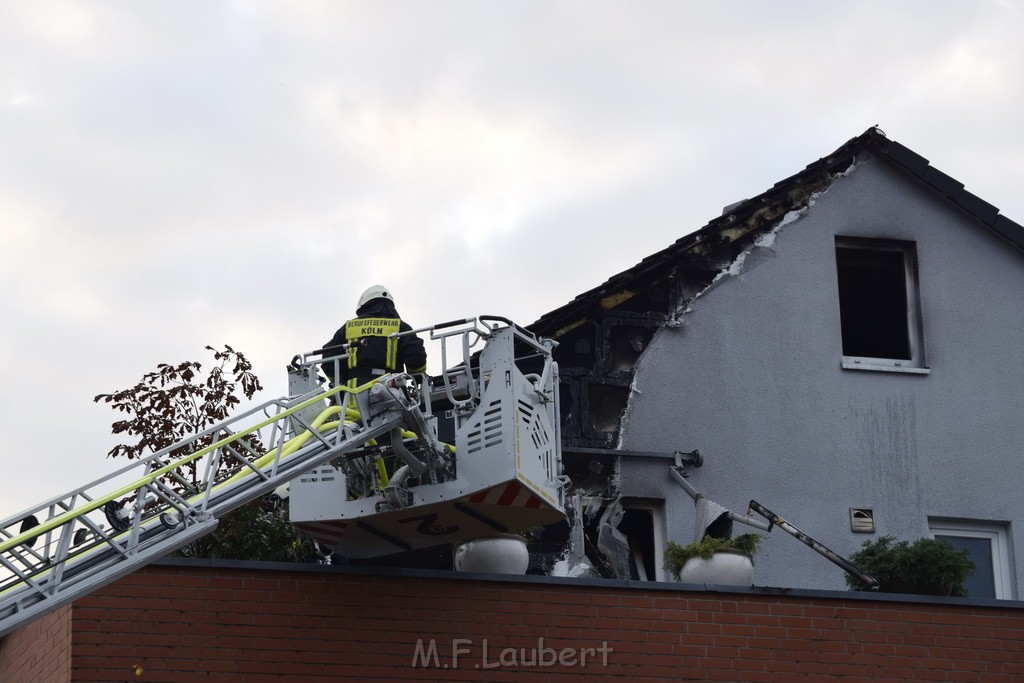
(602, 332)
(836, 343)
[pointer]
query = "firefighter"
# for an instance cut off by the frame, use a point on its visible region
(373, 353)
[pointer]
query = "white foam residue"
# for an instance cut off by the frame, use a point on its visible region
(566, 569)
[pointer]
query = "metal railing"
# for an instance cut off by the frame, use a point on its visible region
(63, 548)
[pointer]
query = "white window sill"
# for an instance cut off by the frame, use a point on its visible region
(873, 365)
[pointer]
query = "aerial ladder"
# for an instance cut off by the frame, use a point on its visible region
(396, 464)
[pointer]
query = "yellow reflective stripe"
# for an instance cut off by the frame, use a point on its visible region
(421, 369)
(382, 473)
(353, 354)
(391, 361)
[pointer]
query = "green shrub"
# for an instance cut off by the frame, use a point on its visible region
(677, 555)
(925, 567)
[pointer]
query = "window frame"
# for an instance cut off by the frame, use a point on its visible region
(656, 508)
(915, 328)
(997, 533)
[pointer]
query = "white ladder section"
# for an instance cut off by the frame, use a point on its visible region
(73, 544)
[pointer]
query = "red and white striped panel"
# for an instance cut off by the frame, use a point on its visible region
(327, 533)
(512, 494)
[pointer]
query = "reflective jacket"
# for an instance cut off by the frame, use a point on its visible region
(372, 353)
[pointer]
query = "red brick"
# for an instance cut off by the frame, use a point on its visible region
(637, 601)
(782, 666)
(688, 650)
(711, 629)
(761, 620)
(767, 643)
(670, 603)
(276, 625)
(730, 617)
(851, 613)
(753, 605)
(759, 654)
(786, 608)
(717, 662)
(699, 639)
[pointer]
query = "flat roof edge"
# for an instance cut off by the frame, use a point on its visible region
(537, 579)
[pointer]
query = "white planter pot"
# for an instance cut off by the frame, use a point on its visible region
(503, 554)
(726, 567)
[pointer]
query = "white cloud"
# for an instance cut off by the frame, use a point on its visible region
(967, 71)
(487, 168)
(54, 268)
(58, 21)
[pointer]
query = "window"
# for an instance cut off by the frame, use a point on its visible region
(642, 525)
(878, 305)
(989, 548)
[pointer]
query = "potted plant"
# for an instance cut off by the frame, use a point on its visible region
(728, 561)
(927, 566)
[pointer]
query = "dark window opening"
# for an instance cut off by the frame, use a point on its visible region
(638, 526)
(877, 299)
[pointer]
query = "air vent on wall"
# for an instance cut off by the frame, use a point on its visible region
(862, 520)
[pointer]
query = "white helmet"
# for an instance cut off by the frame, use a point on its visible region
(375, 292)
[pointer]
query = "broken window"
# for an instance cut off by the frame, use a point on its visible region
(641, 524)
(878, 304)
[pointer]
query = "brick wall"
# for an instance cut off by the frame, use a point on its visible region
(179, 622)
(40, 651)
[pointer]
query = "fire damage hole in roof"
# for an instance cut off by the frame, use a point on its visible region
(606, 403)
(578, 347)
(567, 401)
(625, 344)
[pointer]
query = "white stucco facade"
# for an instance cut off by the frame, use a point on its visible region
(753, 379)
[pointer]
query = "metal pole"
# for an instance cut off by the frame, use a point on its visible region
(842, 562)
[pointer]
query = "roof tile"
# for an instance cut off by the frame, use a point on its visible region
(977, 206)
(945, 184)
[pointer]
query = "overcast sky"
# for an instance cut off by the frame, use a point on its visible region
(177, 174)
